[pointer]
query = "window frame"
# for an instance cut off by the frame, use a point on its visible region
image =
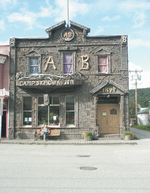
(26, 111)
(67, 63)
(62, 52)
(70, 125)
(48, 109)
(31, 57)
(102, 64)
(103, 53)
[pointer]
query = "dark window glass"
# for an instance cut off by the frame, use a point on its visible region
(27, 111)
(70, 114)
(48, 114)
(43, 115)
(27, 103)
(40, 100)
(69, 103)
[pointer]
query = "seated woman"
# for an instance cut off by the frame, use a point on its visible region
(44, 131)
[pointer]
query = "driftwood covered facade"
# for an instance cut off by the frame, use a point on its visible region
(70, 81)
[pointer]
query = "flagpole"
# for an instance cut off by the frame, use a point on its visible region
(67, 13)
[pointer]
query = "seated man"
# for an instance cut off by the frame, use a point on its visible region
(44, 131)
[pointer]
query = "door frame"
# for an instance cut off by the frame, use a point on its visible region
(118, 117)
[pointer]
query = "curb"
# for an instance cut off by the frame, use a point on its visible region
(69, 142)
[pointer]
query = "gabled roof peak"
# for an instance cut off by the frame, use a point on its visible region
(56, 26)
(80, 26)
(105, 83)
(63, 24)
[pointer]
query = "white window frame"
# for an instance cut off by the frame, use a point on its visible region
(102, 64)
(34, 65)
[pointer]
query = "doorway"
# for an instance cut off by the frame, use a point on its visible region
(3, 134)
(108, 118)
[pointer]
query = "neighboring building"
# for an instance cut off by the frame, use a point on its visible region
(69, 81)
(143, 116)
(4, 90)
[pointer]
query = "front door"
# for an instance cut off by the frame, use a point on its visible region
(108, 118)
(3, 134)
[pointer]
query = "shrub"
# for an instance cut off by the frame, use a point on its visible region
(132, 136)
(142, 127)
(127, 133)
(90, 135)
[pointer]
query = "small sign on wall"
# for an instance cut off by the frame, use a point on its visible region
(104, 114)
(46, 99)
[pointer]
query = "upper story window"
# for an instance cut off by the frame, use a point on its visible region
(103, 64)
(33, 62)
(68, 63)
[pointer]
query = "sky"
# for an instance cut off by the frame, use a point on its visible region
(30, 18)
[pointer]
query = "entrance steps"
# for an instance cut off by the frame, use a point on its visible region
(110, 136)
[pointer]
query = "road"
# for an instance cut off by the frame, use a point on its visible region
(140, 133)
(58, 168)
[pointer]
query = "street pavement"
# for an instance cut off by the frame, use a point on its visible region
(140, 133)
(75, 168)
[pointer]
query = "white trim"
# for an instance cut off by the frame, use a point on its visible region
(4, 93)
(0, 125)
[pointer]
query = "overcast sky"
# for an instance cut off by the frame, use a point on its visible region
(30, 18)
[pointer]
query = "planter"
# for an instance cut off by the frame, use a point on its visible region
(90, 138)
(127, 137)
(85, 138)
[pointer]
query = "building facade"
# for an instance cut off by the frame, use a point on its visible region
(4, 90)
(70, 81)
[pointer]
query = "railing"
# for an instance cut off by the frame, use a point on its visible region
(4, 93)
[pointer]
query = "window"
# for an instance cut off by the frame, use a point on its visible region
(49, 114)
(68, 63)
(70, 113)
(33, 65)
(27, 111)
(103, 64)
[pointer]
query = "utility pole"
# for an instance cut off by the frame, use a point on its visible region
(136, 77)
(136, 98)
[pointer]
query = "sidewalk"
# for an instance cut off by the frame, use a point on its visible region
(100, 141)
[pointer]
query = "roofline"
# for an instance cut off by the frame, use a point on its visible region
(80, 26)
(24, 38)
(105, 36)
(56, 26)
(4, 45)
(46, 37)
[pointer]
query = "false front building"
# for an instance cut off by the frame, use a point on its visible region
(4, 91)
(69, 81)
